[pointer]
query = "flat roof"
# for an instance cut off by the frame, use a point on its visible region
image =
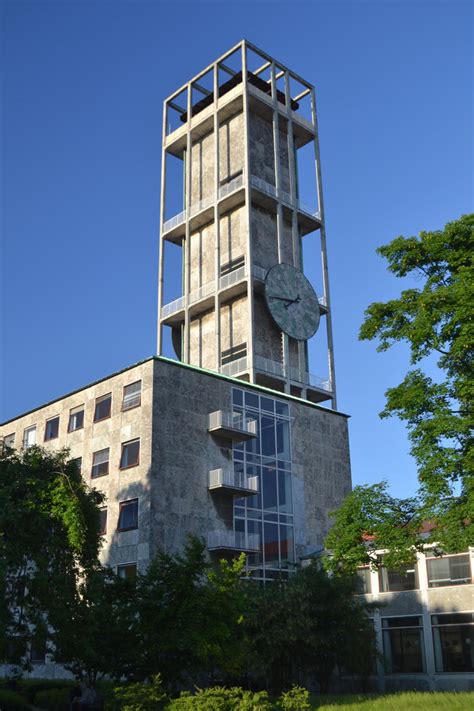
(179, 364)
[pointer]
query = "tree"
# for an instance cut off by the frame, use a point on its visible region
(435, 319)
(49, 536)
(303, 628)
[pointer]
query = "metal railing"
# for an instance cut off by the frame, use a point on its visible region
(172, 307)
(315, 381)
(233, 540)
(232, 277)
(174, 221)
(233, 421)
(301, 119)
(229, 187)
(201, 292)
(269, 366)
(273, 367)
(201, 205)
(303, 207)
(235, 366)
(233, 480)
(263, 186)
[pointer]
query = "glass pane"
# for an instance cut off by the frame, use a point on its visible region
(283, 440)
(251, 400)
(285, 503)
(270, 543)
(268, 436)
(130, 454)
(237, 397)
(286, 544)
(267, 404)
(269, 486)
(403, 651)
(281, 408)
(454, 648)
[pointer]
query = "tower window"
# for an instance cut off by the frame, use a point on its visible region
(103, 406)
(29, 436)
(132, 395)
(128, 515)
(76, 418)
(128, 571)
(100, 463)
(51, 430)
(103, 521)
(130, 456)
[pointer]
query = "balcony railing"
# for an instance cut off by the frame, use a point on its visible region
(232, 277)
(235, 481)
(269, 366)
(235, 367)
(232, 185)
(273, 367)
(232, 424)
(233, 541)
(173, 307)
(202, 292)
(201, 205)
(298, 117)
(303, 207)
(174, 221)
(263, 186)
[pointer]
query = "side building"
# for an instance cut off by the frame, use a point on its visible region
(182, 451)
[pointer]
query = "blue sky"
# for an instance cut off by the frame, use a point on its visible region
(82, 92)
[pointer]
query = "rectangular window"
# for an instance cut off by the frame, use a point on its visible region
(128, 515)
(132, 395)
(128, 571)
(364, 582)
(9, 440)
(103, 521)
(29, 436)
(38, 651)
(100, 463)
(234, 353)
(453, 640)
(51, 431)
(78, 462)
(449, 570)
(103, 406)
(398, 580)
(76, 418)
(403, 645)
(130, 456)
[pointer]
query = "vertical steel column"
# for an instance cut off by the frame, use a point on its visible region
(248, 197)
(276, 161)
(324, 257)
(217, 239)
(161, 259)
(187, 258)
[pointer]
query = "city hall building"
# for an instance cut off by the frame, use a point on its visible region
(234, 440)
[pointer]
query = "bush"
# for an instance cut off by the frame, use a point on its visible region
(11, 701)
(296, 699)
(141, 696)
(217, 698)
(30, 687)
(53, 699)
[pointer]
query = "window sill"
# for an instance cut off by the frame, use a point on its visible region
(76, 429)
(131, 528)
(99, 476)
(50, 439)
(102, 419)
(130, 466)
(131, 407)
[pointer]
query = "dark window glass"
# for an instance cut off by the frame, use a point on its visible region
(286, 545)
(78, 462)
(130, 454)
(38, 651)
(364, 585)
(100, 463)
(284, 492)
(449, 570)
(453, 645)
(283, 440)
(281, 408)
(398, 580)
(267, 404)
(76, 419)
(127, 571)
(403, 645)
(103, 521)
(103, 406)
(251, 400)
(128, 516)
(237, 397)
(52, 429)
(270, 547)
(268, 436)
(269, 477)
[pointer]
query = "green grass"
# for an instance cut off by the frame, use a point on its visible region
(403, 701)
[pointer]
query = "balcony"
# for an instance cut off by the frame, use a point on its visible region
(272, 367)
(232, 425)
(233, 541)
(236, 483)
(297, 376)
(235, 367)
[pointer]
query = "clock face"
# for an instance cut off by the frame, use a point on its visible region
(292, 301)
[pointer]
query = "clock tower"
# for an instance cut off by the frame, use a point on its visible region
(233, 224)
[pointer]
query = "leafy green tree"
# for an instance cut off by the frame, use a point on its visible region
(49, 536)
(305, 627)
(435, 320)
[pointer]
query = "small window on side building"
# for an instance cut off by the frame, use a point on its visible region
(132, 395)
(9, 440)
(127, 571)
(403, 645)
(78, 463)
(100, 463)
(103, 407)
(449, 570)
(29, 437)
(130, 456)
(128, 515)
(398, 580)
(76, 418)
(51, 430)
(364, 583)
(103, 521)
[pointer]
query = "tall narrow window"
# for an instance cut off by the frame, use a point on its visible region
(103, 406)
(100, 463)
(76, 418)
(29, 436)
(51, 430)
(103, 521)
(132, 395)
(128, 515)
(130, 454)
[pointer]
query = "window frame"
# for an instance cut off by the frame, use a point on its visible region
(46, 424)
(438, 648)
(103, 528)
(98, 476)
(383, 571)
(98, 401)
(448, 582)
(126, 444)
(29, 429)
(138, 404)
(72, 412)
(122, 566)
(122, 505)
(386, 630)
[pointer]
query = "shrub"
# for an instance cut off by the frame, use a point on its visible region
(30, 687)
(217, 698)
(11, 701)
(296, 699)
(53, 699)
(141, 696)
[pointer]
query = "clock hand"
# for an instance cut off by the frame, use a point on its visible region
(293, 301)
(281, 298)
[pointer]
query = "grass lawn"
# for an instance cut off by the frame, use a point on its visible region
(403, 701)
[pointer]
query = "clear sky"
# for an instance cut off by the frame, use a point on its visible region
(82, 91)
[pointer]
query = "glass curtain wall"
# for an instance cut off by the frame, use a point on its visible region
(270, 512)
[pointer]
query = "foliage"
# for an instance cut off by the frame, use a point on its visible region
(218, 698)
(189, 616)
(49, 532)
(305, 627)
(140, 696)
(412, 700)
(435, 320)
(98, 633)
(53, 699)
(12, 701)
(295, 699)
